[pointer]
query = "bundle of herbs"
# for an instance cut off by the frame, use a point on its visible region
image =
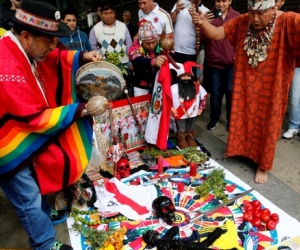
(95, 237)
(189, 153)
(215, 184)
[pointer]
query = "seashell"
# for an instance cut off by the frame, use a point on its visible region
(261, 58)
(254, 63)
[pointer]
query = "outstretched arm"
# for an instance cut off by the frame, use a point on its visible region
(210, 31)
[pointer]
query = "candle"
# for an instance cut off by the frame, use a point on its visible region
(193, 169)
(180, 187)
(160, 168)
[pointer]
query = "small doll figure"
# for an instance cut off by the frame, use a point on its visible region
(189, 99)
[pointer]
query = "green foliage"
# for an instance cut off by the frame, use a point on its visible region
(156, 152)
(113, 58)
(172, 152)
(194, 155)
(215, 183)
(95, 237)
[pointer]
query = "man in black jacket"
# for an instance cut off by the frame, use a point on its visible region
(130, 26)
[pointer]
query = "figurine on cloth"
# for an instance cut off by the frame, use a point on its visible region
(152, 238)
(189, 99)
(220, 237)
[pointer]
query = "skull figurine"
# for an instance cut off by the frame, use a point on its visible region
(164, 208)
(123, 168)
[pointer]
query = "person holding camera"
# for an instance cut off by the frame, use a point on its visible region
(185, 49)
(218, 64)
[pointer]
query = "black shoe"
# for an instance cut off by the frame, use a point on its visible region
(212, 124)
(58, 216)
(61, 246)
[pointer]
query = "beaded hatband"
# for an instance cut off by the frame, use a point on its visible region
(38, 21)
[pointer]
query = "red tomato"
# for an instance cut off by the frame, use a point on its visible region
(256, 222)
(248, 217)
(256, 213)
(274, 217)
(256, 205)
(249, 208)
(266, 211)
(264, 217)
(271, 225)
(261, 228)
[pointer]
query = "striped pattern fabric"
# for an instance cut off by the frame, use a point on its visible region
(48, 133)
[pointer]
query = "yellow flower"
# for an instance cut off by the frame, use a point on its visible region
(109, 247)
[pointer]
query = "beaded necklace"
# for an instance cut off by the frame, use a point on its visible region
(256, 45)
(109, 28)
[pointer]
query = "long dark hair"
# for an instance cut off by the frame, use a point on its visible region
(186, 89)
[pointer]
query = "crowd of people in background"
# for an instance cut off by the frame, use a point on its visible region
(257, 82)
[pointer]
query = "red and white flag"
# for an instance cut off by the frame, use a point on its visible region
(158, 123)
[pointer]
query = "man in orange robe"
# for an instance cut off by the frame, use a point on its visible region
(267, 42)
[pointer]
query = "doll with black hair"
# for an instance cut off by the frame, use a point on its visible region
(189, 99)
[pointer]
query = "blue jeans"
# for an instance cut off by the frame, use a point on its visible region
(294, 101)
(221, 84)
(32, 208)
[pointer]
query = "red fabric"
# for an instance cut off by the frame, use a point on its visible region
(188, 67)
(164, 79)
(260, 95)
(124, 200)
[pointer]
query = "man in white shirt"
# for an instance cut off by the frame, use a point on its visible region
(185, 49)
(150, 11)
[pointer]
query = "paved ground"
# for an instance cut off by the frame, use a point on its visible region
(282, 189)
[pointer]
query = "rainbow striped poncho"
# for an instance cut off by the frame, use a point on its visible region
(42, 129)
